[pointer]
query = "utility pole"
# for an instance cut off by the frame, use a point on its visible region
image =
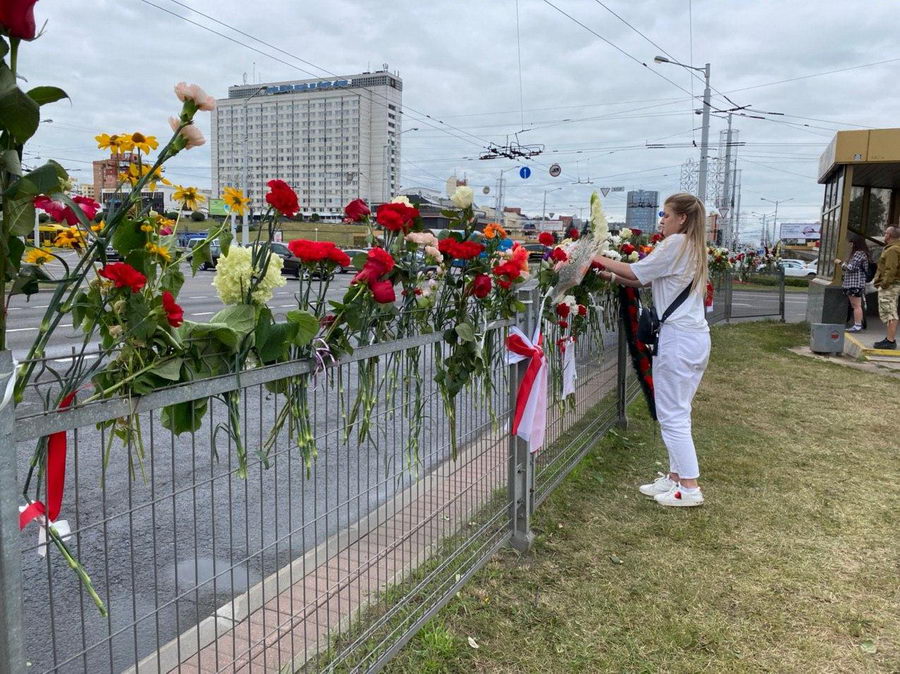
(704, 137)
(726, 196)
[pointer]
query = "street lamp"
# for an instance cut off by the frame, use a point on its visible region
(704, 137)
(386, 171)
(544, 209)
(245, 228)
(775, 218)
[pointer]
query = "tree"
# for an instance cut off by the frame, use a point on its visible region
(314, 217)
(197, 216)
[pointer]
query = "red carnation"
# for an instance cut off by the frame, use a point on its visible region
(174, 313)
(563, 325)
(282, 198)
(559, 255)
(627, 249)
(656, 238)
(356, 210)
(572, 233)
(123, 275)
(582, 310)
(378, 263)
(382, 291)
(17, 18)
(339, 257)
(396, 217)
(308, 251)
(461, 250)
(635, 231)
(508, 269)
(546, 238)
(481, 286)
(562, 310)
(506, 285)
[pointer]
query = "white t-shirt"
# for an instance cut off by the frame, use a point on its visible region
(668, 271)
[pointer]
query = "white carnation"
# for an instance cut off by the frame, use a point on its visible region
(234, 273)
(634, 257)
(612, 254)
(401, 199)
(625, 233)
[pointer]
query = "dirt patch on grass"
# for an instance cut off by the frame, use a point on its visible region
(792, 565)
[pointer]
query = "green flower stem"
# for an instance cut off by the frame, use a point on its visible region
(79, 570)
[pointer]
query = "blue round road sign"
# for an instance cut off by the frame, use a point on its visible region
(524, 172)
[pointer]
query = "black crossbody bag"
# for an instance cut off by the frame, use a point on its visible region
(649, 323)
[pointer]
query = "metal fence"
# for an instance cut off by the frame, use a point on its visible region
(758, 294)
(330, 567)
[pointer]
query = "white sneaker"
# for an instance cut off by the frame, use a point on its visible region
(679, 498)
(855, 328)
(660, 485)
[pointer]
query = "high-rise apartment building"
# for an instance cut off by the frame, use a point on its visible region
(332, 140)
(641, 211)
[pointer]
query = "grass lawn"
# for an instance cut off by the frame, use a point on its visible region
(769, 288)
(793, 564)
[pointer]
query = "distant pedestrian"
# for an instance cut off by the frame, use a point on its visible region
(854, 281)
(887, 280)
(677, 271)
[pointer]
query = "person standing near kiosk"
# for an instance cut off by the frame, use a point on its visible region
(887, 280)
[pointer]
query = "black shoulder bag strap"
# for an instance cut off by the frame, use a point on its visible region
(677, 302)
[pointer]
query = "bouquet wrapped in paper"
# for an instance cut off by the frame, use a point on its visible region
(593, 241)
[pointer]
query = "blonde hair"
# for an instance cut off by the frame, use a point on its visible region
(694, 229)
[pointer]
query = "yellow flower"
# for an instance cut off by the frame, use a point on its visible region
(189, 197)
(493, 229)
(137, 171)
(146, 227)
(235, 200)
(97, 227)
(161, 251)
(142, 142)
(115, 143)
(37, 256)
(70, 237)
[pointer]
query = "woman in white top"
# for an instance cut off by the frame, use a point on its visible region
(677, 261)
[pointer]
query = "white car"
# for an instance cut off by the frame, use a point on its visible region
(798, 268)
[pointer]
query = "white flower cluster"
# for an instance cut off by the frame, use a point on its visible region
(612, 254)
(234, 272)
(625, 233)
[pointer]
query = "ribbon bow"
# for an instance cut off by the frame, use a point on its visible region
(530, 419)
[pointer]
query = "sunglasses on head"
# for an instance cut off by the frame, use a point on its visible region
(662, 213)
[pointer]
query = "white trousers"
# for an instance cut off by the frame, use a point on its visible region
(677, 370)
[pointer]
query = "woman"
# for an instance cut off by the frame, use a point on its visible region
(854, 282)
(677, 261)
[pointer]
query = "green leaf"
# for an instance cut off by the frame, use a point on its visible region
(9, 162)
(359, 260)
(44, 95)
(225, 239)
(170, 369)
(18, 216)
(172, 280)
(207, 332)
(239, 317)
(16, 249)
(46, 179)
(19, 114)
(186, 417)
(7, 79)
(307, 326)
(199, 255)
(4, 48)
(128, 237)
(466, 332)
(272, 339)
(141, 323)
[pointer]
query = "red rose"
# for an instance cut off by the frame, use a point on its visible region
(562, 310)
(17, 18)
(572, 233)
(461, 250)
(559, 255)
(174, 313)
(546, 238)
(627, 249)
(506, 285)
(508, 269)
(378, 263)
(356, 210)
(282, 198)
(396, 217)
(327, 320)
(563, 325)
(382, 291)
(123, 275)
(582, 310)
(635, 232)
(481, 286)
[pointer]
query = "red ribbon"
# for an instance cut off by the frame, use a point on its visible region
(518, 346)
(56, 475)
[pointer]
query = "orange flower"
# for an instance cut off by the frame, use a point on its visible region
(494, 229)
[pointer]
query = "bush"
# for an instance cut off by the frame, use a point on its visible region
(197, 216)
(172, 215)
(314, 217)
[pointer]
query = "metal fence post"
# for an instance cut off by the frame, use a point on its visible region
(781, 293)
(621, 377)
(11, 645)
(729, 295)
(521, 461)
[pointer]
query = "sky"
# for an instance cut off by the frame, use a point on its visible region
(574, 76)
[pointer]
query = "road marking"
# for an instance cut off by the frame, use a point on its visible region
(62, 325)
(199, 297)
(204, 313)
(286, 306)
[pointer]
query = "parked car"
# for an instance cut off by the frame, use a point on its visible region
(353, 252)
(796, 268)
(112, 254)
(292, 264)
(536, 251)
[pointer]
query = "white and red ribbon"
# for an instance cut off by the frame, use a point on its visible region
(530, 419)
